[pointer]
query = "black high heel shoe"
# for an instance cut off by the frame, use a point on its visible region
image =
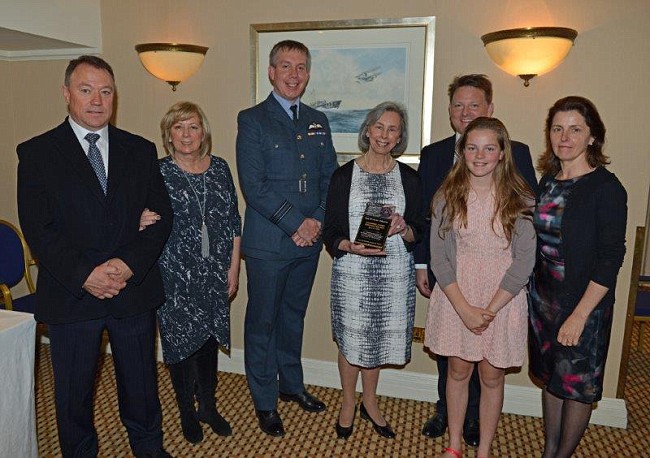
(343, 432)
(385, 431)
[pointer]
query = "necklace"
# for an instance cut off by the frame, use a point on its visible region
(384, 170)
(205, 239)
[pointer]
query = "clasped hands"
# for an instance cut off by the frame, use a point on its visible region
(476, 319)
(108, 279)
(308, 232)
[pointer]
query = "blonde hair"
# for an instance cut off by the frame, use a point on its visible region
(513, 195)
(182, 111)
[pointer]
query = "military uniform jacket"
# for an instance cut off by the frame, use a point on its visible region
(284, 172)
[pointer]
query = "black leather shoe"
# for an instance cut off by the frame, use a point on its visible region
(385, 431)
(305, 400)
(435, 426)
(471, 433)
(270, 422)
(343, 432)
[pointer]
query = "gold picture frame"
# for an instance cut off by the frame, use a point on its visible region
(358, 63)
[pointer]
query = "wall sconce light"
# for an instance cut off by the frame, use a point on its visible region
(529, 52)
(171, 62)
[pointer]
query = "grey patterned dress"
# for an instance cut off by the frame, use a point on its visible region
(196, 288)
(373, 297)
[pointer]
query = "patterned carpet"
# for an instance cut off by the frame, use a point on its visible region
(312, 435)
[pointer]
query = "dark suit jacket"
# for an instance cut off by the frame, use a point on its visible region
(435, 162)
(273, 155)
(71, 226)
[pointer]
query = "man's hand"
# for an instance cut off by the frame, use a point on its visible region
(124, 272)
(103, 282)
(308, 232)
(299, 241)
(422, 282)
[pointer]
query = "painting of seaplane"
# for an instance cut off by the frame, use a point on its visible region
(368, 75)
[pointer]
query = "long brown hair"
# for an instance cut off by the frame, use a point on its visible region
(513, 195)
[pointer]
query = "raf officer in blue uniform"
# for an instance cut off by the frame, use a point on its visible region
(285, 158)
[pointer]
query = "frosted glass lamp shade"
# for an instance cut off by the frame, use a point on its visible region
(531, 51)
(171, 62)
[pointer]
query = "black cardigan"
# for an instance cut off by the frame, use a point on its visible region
(593, 235)
(337, 225)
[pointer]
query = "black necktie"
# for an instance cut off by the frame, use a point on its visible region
(294, 112)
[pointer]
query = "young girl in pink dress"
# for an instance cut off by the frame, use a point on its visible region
(482, 253)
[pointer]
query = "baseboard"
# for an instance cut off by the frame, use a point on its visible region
(519, 400)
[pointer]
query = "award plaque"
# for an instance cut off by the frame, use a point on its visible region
(374, 226)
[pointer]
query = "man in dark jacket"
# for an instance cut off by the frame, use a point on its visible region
(82, 187)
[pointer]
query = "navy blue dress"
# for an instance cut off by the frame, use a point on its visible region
(196, 288)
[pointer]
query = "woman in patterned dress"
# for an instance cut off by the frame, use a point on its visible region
(199, 265)
(482, 253)
(373, 289)
(580, 221)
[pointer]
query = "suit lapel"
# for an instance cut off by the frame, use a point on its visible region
(118, 163)
(449, 152)
(70, 148)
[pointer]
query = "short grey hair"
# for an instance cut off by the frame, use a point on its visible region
(374, 115)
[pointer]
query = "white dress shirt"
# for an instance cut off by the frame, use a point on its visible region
(102, 143)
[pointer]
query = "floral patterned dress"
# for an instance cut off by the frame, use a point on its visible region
(576, 372)
(197, 306)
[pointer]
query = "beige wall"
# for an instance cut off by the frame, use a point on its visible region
(607, 64)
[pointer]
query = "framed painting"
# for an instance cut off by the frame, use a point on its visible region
(357, 64)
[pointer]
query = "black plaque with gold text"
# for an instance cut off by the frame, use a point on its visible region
(375, 224)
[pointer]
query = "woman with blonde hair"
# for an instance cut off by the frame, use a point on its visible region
(199, 265)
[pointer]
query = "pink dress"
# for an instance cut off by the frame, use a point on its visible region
(483, 257)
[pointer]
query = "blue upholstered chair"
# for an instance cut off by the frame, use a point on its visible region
(15, 264)
(642, 305)
(639, 297)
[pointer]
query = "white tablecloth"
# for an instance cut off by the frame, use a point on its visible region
(17, 412)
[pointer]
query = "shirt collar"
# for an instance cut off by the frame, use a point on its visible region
(80, 133)
(286, 105)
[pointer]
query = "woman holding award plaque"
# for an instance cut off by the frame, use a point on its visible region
(372, 222)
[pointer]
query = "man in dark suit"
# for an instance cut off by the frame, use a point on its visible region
(81, 189)
(470, 97)
(285, 158)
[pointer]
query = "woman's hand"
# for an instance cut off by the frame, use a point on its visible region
(360, 249)
(148, 218)
(233, 280)
(476, 319)
(397, 225)
(571, 330)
